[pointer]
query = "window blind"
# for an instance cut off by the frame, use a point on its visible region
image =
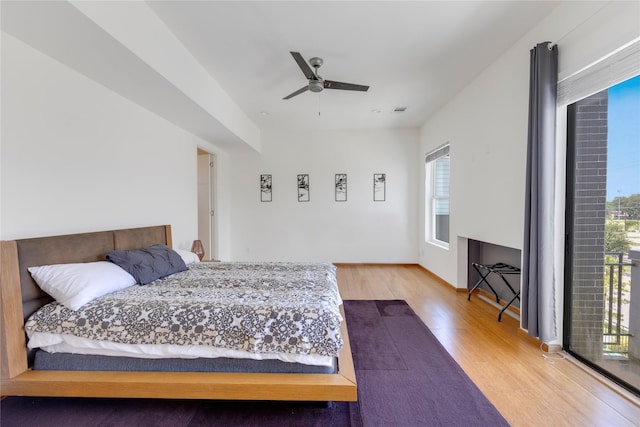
(621, 65)
(438, 152)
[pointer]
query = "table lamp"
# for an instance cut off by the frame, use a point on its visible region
(198, 249)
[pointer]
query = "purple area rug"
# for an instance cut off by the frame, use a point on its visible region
(405, 378)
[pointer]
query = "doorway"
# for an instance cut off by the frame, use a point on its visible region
(207, 203)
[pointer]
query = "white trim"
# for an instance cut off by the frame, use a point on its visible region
(438, 152)
(616, 67)
(430, 160)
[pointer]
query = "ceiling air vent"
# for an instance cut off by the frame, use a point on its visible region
(399, 109)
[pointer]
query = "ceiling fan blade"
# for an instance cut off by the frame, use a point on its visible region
(306, 70)
(298, 92)
(330, 84)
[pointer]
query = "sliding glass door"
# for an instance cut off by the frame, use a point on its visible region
(602, 267)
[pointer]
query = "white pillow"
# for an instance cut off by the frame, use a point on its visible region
(187, 256)
(74, 285)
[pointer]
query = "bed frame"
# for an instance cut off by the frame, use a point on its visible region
(20, 297)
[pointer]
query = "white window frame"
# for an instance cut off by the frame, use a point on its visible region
(431, 197)
(618, 66)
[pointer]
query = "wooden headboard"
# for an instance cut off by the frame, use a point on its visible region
(20, 296)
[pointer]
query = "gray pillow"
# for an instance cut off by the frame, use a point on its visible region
(148, 264)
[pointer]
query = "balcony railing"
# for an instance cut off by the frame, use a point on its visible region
(616, 310)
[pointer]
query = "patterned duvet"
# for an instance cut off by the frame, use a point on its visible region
(257, 308)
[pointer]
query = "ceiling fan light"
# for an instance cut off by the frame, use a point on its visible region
(316, 86)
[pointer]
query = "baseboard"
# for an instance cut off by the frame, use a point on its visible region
(501, 302)
(489, 298)
(440, 280)
(551, 348)
(546, 347)
(369, 264)
(434, 276)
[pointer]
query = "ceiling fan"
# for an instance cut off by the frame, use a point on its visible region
(317, 83)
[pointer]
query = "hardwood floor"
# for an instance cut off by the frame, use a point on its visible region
(509, 368)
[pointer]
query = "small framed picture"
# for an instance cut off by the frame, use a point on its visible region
(379, 187)
(303, 187)
(265, 188)
(341, 187)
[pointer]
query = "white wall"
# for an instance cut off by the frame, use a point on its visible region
(486, 125)
(78, 157)
(162, 50)
(75, 156)
(358, 230)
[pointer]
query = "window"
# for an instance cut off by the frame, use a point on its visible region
(602, 317)
(437, 197)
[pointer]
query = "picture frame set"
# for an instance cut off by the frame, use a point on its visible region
(266, 187)
(379, 187)
(303, 187)
(341, 185)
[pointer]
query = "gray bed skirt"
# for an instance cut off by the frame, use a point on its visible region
(80, 362)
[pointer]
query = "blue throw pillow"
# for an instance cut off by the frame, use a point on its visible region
(148, 264)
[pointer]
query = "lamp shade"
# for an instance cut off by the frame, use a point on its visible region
(198, 249)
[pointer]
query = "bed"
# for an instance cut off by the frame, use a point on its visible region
(21, 297)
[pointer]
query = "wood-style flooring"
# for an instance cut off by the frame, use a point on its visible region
(527, 388)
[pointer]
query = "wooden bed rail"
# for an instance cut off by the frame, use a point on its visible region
(190, 385)
(13, 353)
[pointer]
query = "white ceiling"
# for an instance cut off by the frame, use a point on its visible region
(413, 54)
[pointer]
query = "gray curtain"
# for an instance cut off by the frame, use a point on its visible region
(538, 288)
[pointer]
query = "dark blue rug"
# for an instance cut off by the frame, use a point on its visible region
(405, 378)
